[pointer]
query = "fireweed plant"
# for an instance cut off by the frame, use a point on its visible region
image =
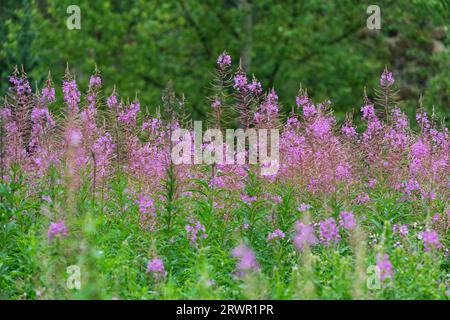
(353, 212)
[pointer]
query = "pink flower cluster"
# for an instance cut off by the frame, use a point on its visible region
(348, 220)
(57, 229)
(224, 60)
(194, 230)
(304, 236)
(246, 259)
(384, 266)
(155, 267)
(431, 240)
(71, 95)
(386, 79)
(329, 231)
(276, 234)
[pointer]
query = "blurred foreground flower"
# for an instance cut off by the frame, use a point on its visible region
(305, 235)
(156, 268)
(57, 228)
(247, 260)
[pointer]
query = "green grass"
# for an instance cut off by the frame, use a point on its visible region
(112, 247)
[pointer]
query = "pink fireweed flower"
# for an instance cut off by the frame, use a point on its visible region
(372, 183)
(384, 266)
(276, 234)
(419, 149)
(431, 240)
(400, 118)
(436, 218)
(129, 114)
(216, 104)
(240, 82)
(71, 95)
(146, 205)
(273, 198)
(156, 268)
(292, 122)
(245, 226)
(401, 229)
(343, 171)
(373, 128)
(95, 81)
(309, 110)
(48, 93)
(349, 131)
(88, 118)
(303, 207)
(193, 230)
(22, 89)
(301, 101)
(247, 199)
(21, 85)
(386, 79)
(111, 101)
(272, 96)
(247, 260)
(321, 127)
(411, 185)
(329, 232)
(362, 197)
(268, 109)
(74, 137)
(276, 199)
(216, 205)
(217, 182)
(103, 150)
(41, 116)
(224, 60)
(257, 117)
(57, 228)
(272, 102)
(154, 124)
(305, 235)
(5, 113)
(422, 120)
(368, 111)
(348, 220)
(255, 86)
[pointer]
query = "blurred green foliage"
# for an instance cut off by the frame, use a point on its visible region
(324, 45)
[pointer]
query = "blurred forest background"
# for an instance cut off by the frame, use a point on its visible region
(324, 45)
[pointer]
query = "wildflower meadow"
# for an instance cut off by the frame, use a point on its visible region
(93, 205)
